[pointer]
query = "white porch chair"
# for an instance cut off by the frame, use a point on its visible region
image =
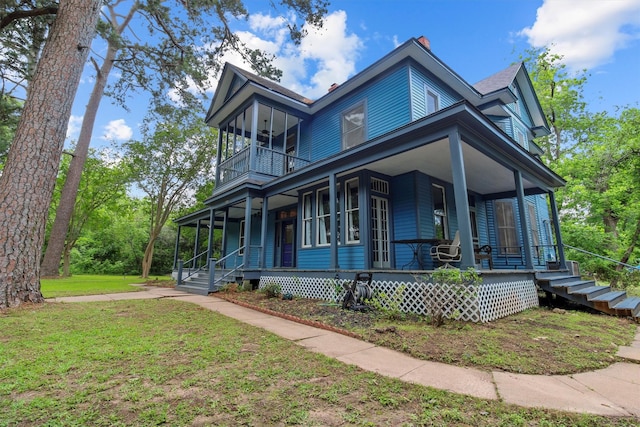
(447, 253)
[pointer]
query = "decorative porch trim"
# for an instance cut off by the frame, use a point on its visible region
(474, 303)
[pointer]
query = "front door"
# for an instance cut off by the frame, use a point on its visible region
(285, 242)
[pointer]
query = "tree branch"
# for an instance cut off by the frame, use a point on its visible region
(21, 14)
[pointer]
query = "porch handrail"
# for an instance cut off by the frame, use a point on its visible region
(219, 263)
(600, 256)
(192, 270)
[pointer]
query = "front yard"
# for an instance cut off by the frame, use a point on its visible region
(537, 341)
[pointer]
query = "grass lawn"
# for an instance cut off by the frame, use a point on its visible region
(84, 284)
(139, 363)
(536, 341)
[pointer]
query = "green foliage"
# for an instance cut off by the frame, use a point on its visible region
(455, 276)
(442, 301)
(389, 305)
(272, 290)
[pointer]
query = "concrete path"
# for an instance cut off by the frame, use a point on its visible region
(611, 391)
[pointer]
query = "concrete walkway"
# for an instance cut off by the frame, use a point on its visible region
(611, 391)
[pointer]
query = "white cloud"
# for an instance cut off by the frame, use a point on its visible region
(325, 56)
(586, 32)
(73, 127)
(117, 130)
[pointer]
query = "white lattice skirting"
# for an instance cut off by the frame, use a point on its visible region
(475, 303)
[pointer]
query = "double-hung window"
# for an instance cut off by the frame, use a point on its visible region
(439, 212)
(352, 211)
(353, 126)
(323, 216)
(507, 236)
(433, 100)
(307, 220)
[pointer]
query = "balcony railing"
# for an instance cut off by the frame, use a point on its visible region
(268, 162)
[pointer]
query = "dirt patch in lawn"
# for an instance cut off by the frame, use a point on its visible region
(537, 341)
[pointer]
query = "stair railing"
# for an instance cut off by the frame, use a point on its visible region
(600, 256)
(220, 264)
(192, 268)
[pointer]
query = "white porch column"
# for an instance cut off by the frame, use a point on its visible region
(462, 202)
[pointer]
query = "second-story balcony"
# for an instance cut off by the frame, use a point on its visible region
(269, 163)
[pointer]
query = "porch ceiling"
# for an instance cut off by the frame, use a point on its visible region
(483, 174)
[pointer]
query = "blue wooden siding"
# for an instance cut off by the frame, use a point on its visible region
(419, 79)
(403, 207)
(314, 258)
(387, 108)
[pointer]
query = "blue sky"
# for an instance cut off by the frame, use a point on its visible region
(476, 38)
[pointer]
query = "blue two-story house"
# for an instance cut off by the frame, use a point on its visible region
(402, 157)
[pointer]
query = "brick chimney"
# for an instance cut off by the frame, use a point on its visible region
(333, 87)
(424, 42)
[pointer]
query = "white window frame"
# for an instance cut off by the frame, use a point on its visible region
(353, 136)
(506, 225)
(323, 219)
(352, 212)
(429, 93)
(533, 226)
(443, 216)
(307, 220)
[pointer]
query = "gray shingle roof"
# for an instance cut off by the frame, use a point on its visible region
(499, 80)
(271, 85)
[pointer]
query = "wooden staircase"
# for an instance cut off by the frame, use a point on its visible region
(198, 283)
(587, 293)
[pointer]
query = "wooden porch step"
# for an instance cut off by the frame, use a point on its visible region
(630, 305)
(611, 297)
(573, 285)
(590, 291)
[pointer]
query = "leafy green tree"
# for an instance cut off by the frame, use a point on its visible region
(156, 47)
(28, 177)
(102, 186)
(561, 98)
(172, 160)
(602, 198)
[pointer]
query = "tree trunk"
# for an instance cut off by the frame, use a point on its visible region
(55, 247)
(148, 257)
(27, 182)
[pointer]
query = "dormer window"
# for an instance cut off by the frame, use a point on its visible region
(353, 121)
(433, 100)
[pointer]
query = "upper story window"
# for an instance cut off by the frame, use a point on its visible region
(353, 121)
(433, 100)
